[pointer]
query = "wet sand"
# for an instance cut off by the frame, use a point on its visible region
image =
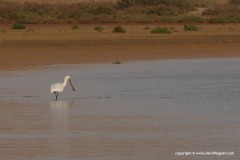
(24, 58)
(59, 44)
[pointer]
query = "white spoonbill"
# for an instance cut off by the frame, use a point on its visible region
(59, 87)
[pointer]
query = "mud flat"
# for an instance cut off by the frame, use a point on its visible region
(60, 44)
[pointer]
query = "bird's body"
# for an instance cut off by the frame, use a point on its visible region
(59, 87)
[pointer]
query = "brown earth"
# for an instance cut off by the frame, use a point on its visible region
(77, 1)
(60, 44)
(60, 1)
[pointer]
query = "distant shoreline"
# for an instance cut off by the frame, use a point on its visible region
(60, 44)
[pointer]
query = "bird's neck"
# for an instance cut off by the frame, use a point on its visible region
(65, 82)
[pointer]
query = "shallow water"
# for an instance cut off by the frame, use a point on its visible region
(136, 110)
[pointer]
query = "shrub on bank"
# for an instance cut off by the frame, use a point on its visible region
(119, 29)
(190, 28)
(18, 26)
(162, 30)
(75, 27)
(99, 29)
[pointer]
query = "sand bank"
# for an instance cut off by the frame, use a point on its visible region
(59, 44)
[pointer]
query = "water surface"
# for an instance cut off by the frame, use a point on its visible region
(136, 110)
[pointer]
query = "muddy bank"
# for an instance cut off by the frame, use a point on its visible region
(28, 57)
(60, 44)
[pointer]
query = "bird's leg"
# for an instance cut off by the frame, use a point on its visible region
(56, 94)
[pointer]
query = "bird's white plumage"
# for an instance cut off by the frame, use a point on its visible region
(59, 87)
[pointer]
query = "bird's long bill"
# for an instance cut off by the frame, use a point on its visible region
(71, 85)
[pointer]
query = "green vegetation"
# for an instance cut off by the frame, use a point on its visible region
(18, 26)
(75, 27)
(122, 11)
(99, 29)
(162, 30)
(190, 28)
(119, 29)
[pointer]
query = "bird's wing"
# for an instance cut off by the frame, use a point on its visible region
(57, 87)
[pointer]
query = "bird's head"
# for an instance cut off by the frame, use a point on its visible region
(68, 78)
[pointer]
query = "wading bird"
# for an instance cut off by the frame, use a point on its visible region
(59, 87)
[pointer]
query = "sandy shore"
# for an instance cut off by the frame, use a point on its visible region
(60, 44)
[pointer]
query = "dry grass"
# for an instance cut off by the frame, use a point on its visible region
(106, 11)
(60, 1)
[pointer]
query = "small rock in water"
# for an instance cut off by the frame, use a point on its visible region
(116, 62)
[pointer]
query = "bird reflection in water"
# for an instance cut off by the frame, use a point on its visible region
(60, 127)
